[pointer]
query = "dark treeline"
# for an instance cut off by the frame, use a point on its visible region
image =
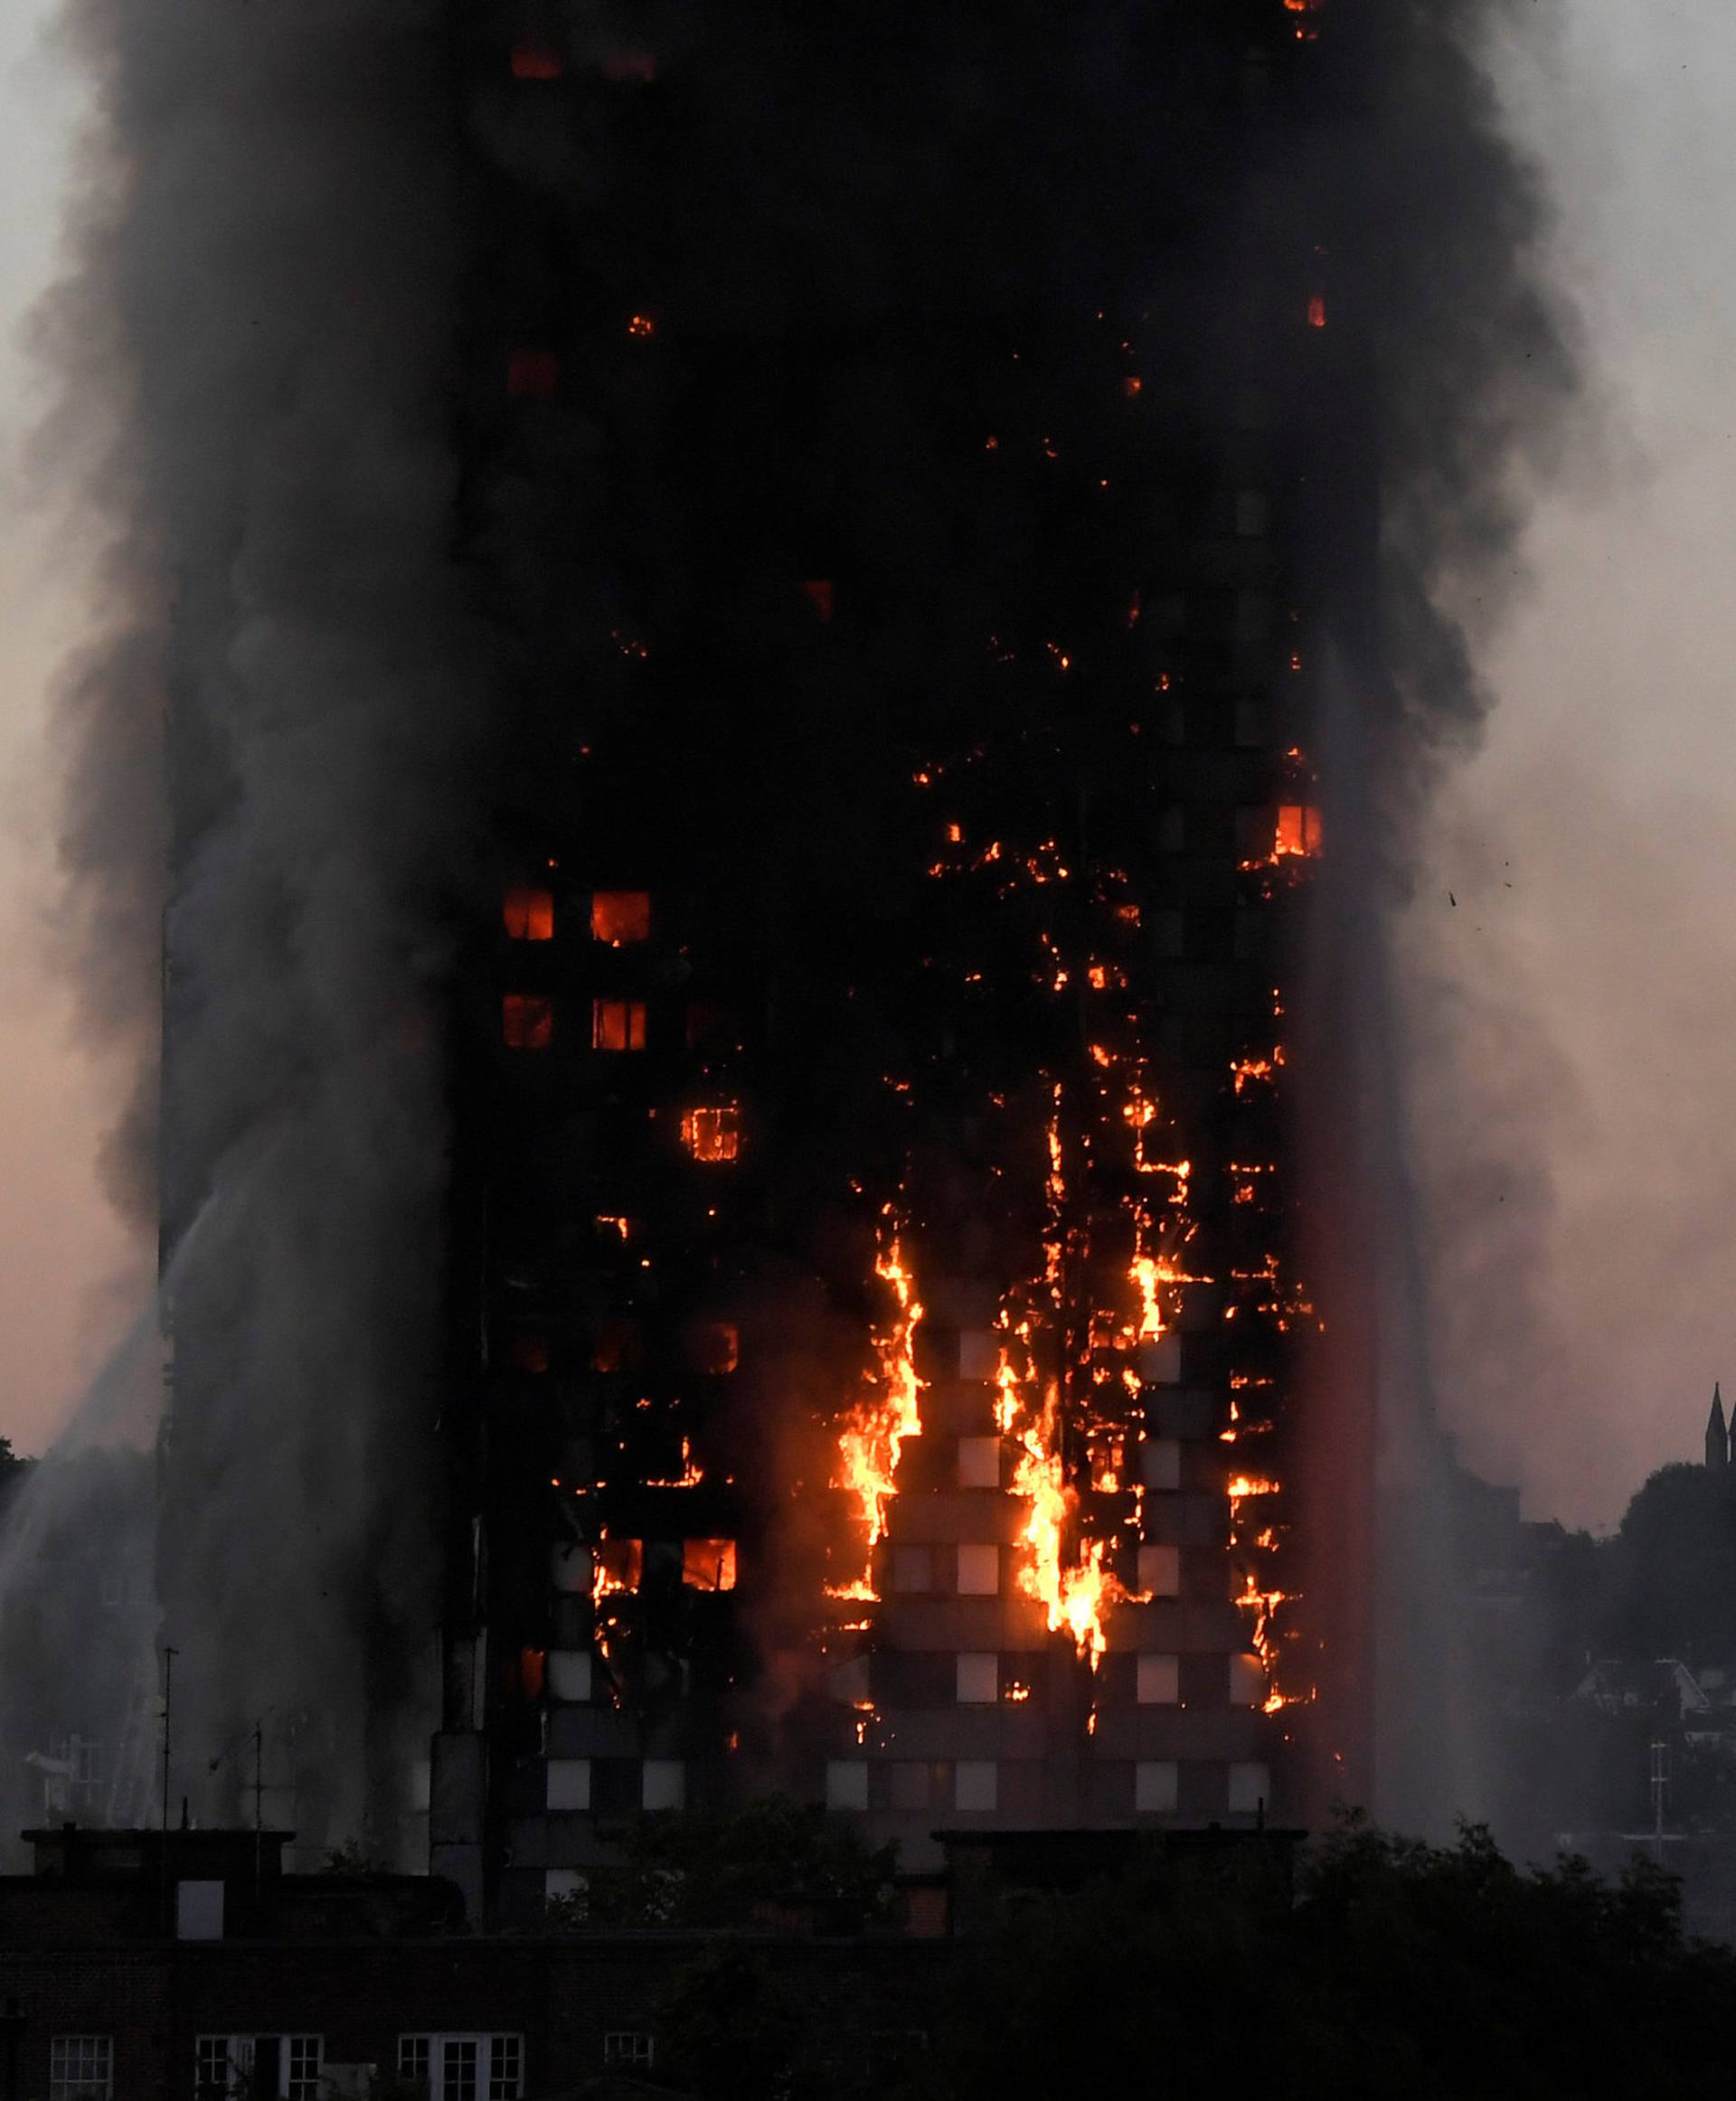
(1398, 1969)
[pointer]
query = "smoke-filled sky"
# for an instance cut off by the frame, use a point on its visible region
(1575, 1150)
(70, 1276)
(1576, 1060)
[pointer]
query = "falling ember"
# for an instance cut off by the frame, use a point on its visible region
(876, 1427)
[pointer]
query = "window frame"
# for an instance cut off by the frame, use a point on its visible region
(239, 2054)
(64, 2084)
(498, 2071)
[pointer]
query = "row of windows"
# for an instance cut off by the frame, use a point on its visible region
(1158, 1680)
(662, 1784)
(608, 1568)
(917, 1570)
(980, 1459)
(528, 1022)
(618, 917)
(463, 2068)
(713, 1347)
(971, 1786)
(1160, 1364)
(478, 2067)
(287, 2066)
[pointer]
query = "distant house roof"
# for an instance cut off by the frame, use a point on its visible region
(1614, 1685)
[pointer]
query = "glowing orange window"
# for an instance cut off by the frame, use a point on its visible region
(715, 1346)
(708, 1564)
(630, 65)
(527, 1021)
(620, 915)
(1317, 312)
(620, 1565)
(616, 1347)
(819, 596)
(712, 1134)
(532, 375)
(536, 62)
(618, 1024)
(532, 1671)
(527, 913)
(1132, 386)
(1298, 829)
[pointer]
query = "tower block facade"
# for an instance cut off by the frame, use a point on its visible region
(877, 1296)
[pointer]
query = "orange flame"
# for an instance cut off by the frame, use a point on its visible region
(876, 1427)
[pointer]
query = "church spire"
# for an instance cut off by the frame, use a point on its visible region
(1717, 1436)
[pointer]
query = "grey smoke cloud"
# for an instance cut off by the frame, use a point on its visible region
(257, 322)
(1571, 1059)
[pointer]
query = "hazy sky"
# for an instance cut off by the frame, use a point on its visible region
(69, 1276)
(1577, 1080)
(1575, 1068)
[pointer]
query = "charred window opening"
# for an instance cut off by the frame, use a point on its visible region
(712, 1029)
(532, 375)
(620, 1566)
(617, 1346)
(708, 1564)
(536, 62)
(625, 65)
(620, 917)
(527, 1021)
(713, 1347)
(617, 1025)
(528, 912)
(714, 1134)
(527, 1350)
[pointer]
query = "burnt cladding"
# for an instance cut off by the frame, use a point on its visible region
(873, 1290)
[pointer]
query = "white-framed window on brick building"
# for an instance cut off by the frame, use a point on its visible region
(287, 2066)
(628, 2046)
(463, 2068)
(81, 2068)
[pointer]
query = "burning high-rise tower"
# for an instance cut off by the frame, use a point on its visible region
(920, 477)
(784, 635)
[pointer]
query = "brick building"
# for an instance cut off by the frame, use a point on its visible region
(133, 1971)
